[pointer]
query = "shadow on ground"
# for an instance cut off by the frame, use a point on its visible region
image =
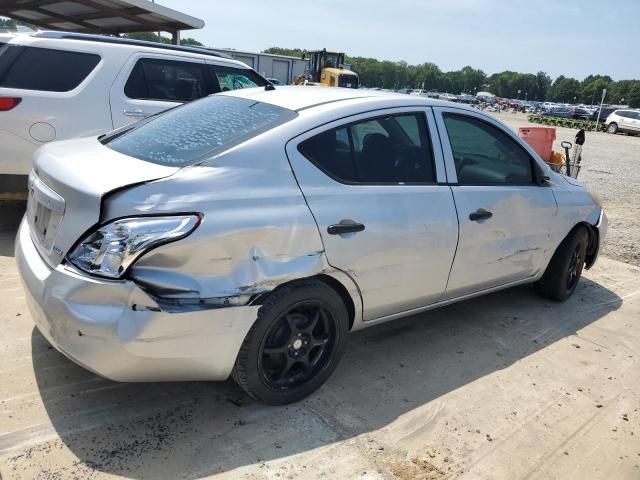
(171, 430)
(10, 215)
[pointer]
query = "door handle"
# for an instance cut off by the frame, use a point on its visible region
(135, 113)
(340, 228)
(480, 214)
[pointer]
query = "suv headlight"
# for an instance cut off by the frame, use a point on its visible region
(113, 248)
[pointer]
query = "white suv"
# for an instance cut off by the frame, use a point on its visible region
(627, 121)
(57, 85)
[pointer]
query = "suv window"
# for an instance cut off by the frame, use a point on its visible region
(45, 69)
(196, 131)
(229, 78)
(174, 81)
(483, 154)
(390, 149)
(627, 114)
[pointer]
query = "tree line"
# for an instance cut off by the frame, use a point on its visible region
(507, 84)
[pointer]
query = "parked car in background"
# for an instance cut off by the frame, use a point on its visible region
(449, 97)
(57, 85)
(603, 113)
(246, 233)
(625, 121)
(578, 113)
(556, 111)
(274, 81)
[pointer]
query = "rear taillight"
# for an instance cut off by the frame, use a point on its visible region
(7, 103)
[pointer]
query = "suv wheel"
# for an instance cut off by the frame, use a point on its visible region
(563, 273)
(612, 128)
(295, 344)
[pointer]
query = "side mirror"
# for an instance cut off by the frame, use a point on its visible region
(542, 176)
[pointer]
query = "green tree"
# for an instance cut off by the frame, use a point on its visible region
(9, 23)
(539, 86)
(291, 52)
(633, 97)
(564, 90)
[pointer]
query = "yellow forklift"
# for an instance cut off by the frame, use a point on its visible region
(327, 69)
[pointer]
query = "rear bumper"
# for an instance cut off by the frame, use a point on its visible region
(108, 327)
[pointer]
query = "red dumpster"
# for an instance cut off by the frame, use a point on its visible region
(540, 138)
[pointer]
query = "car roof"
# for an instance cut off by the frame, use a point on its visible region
(303, 97)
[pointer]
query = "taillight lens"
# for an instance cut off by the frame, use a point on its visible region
(7, 103)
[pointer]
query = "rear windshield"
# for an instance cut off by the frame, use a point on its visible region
(44, 69)
(190, 133)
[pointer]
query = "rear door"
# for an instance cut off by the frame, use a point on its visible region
(624, 120)
(506, 219)
(376, 186)
(152, 83)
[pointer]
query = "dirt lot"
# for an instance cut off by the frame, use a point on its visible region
(507, 386)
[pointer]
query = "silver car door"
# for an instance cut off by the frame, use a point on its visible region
(505, 216)
(395, 237)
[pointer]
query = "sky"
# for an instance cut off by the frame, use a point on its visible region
(574, 38)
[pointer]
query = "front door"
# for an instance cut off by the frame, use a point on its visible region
(372, 184)
(506, 219)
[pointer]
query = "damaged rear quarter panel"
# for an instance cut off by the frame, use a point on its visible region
(257, 231)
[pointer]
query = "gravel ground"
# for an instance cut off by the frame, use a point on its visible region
(611, 167)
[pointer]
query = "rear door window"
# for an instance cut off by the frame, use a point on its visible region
(394, 149)
(44, 69)
(230, 78)
(196, 131)
(167, 80)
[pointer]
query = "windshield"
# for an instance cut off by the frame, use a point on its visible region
(198, 130)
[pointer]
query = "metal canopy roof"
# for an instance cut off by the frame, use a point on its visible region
(99, 16)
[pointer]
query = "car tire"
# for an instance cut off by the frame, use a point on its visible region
(295, 344)
(563, 273)
(612, 128)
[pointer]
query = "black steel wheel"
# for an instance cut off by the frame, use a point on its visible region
(297, 346)
(295, 343)
(576, 260)
(563, 273)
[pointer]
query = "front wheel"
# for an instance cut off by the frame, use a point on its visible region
(612, 128)
(561, 277)
(295, 344)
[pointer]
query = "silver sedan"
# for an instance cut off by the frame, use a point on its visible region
(247, 233)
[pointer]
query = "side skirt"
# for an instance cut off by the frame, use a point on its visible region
(449, 301)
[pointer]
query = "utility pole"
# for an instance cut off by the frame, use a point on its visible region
(604, 92)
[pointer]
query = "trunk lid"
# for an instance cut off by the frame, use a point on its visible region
(66, 189)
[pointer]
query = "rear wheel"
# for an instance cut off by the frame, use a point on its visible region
(295, 344)
(612, 128)
(563, 273)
